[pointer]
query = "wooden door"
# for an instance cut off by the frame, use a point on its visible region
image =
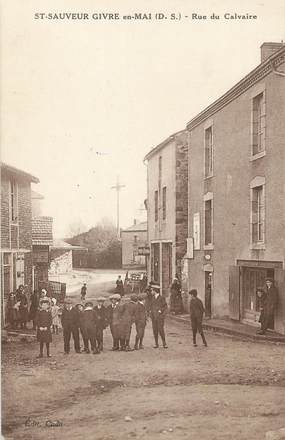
(279, 278)
(252, 279)
(166, 267)
(234, 292)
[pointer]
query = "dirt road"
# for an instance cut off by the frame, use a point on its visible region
(230, 390)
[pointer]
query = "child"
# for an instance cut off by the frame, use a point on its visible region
(44, 322)
(196, 315)
(89, 328)
(102, 322)
(140, 322)
(55, 316)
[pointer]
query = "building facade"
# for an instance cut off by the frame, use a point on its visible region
(42, 240)
(237, 193)
(16, 229)
(167, 208)
(134, 241)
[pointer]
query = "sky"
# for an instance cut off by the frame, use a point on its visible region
(84, 101)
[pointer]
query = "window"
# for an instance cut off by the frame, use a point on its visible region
(159, 168)
(164, 202)
(257, 215)
(156, 205)
(208, 222)
(258, 124)
(13, 200)
(135, 239)
(155, 267)
(209, 152)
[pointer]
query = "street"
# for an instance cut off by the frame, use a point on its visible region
(232, 389)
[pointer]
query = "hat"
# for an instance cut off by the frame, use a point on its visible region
(269, 279)
(193, 292)
(68, 301)
(134, 297)
(101, 298)
(44, 291)
(89, 304)
(53, 301)
(116, 296)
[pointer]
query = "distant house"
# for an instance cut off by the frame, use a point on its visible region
(61, 257)
(42, 239)
(16, 229)
(134, 241)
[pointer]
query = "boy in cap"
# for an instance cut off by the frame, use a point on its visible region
(101, 320)
(89, 328)
(196, 315)
(44, 322)
(140, 322)
(70, 325)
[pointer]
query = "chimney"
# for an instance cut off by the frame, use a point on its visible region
(268, 49)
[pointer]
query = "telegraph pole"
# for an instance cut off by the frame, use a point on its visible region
(118, 188)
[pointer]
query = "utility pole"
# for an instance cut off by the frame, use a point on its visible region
(118, 188)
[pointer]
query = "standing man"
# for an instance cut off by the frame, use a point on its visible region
(110, 314)
(21, 297)
(140, 322)
(158, 309)
(83, 292)
(120, 286)
(270, 306)
(128, 318)
(196, 315)
(101, 322)
(70, 325)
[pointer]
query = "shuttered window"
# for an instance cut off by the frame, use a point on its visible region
(209, 152)
(208, 222)
(156, 205)
(258, 124)
(164, 202)
(257, 215)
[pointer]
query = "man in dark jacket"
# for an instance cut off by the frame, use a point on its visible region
(115, 299)
(70, 325)
(158, 309)
(101, 322)
(140, 322)
(196, 315)
(89, 328)
(270, 304)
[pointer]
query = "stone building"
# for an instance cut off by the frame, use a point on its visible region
(16, 229)
(167, 208)
(237, 193)
(134, 239)
(42, 240)
(61, 257)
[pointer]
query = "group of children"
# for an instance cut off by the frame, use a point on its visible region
(90, 322)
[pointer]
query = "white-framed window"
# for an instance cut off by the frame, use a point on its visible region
(209, 152)
(257, 216)
(258, 124)
(164, 203)
(155, 206)
(13, 201)
(208, 220)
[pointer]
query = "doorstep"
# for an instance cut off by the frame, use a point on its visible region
(233, 328)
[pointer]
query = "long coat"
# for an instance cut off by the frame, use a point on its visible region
(44, 319)
(12, 314)
(88, 323)
(128, 318)
(196, 310)
(101, 316)
(23, 308)
(34, 305)
(118, 325)
(70, 318)
(158, 307)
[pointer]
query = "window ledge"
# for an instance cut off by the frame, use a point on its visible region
(208, 177)
(257, 246)
(257, 156)
(208, 247)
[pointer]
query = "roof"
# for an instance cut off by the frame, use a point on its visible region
(267, 66)
(163, 144)
(36, 195)
(61, 244)
(138, 227)
(19, 173)
(42, 231)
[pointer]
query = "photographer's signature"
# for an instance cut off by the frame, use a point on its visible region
(32, 423)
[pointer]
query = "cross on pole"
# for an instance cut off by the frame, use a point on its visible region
(118, 188)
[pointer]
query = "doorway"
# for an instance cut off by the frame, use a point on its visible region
(208, 294)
